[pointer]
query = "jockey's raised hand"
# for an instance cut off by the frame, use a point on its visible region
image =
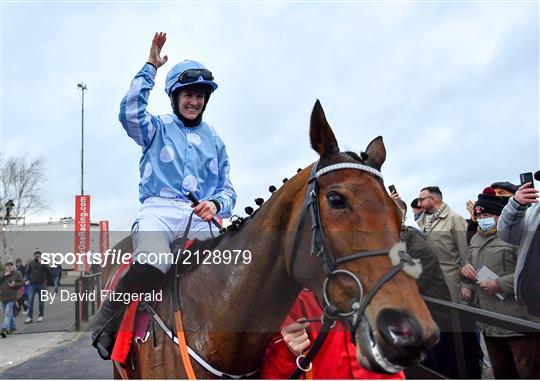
(155, 51)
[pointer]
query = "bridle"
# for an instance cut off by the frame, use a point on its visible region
(356, 312)
(319, 248)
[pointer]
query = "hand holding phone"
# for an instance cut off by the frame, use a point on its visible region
(526, 177)
(526, 194)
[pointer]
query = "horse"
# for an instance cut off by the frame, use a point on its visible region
(230, 311)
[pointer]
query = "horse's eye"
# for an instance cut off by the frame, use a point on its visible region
(336, 200)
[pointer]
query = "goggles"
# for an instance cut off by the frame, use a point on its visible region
(193, 75)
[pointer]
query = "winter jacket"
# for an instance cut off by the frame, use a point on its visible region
(336, 358)
(500, 257)
(448, 238)
(431, 282)
(21, 269)
(175, 159)
(518, 225)
(36, 273)
(9, 293)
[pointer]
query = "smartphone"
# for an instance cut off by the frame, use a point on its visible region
(526, 178)
(392, 188)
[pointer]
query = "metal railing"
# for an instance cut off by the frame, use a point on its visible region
(459, 314)
(87, 284)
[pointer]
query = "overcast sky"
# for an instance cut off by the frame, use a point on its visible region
(451, 86)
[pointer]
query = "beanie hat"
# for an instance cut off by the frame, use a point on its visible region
(489, 203)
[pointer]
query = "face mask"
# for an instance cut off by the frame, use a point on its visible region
(486, 224)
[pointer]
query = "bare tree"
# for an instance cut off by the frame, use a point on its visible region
(21, 193)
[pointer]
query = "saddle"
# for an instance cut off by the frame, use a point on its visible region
(136, 319)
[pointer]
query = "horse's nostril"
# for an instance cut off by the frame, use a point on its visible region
(402, 330)
(399, 327)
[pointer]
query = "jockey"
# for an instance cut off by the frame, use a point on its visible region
(180, 154)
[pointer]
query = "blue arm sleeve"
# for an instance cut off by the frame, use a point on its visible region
(139, 124)
(225, 193)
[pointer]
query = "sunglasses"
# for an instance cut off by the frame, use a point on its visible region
(192, 75)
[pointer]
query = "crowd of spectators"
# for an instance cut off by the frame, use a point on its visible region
(19, 286)
(488, 261)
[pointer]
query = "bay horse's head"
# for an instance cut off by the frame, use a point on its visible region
(358, 265)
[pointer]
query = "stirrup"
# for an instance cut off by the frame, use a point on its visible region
(104, 351)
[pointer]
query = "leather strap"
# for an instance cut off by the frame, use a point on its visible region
(296, 243)
(121, 370)
(192, 353)
(315, 348)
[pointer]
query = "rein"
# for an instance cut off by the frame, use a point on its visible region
(330, 264)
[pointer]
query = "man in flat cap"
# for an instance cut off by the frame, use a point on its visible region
(504, 188)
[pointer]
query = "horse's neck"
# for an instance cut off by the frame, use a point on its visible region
(233, 310)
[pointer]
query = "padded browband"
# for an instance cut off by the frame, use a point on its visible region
(361, 167)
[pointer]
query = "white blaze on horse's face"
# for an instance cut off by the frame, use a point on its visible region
(357, 215)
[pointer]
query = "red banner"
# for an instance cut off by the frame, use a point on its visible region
(103, 237)
(82, 231)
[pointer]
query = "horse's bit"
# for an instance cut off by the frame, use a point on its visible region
(319, 248)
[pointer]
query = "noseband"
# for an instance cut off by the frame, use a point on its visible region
(330, 264)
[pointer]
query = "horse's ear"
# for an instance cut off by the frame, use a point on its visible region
(322, 137)
(376, 152)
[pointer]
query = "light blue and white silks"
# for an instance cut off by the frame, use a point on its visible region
(175, 160)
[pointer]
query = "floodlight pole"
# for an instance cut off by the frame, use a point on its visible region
(83, 87)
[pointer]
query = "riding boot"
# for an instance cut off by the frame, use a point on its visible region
(138, 278)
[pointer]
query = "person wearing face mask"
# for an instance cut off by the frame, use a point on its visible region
(501, 188)
(512, 354)
(181, 154)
